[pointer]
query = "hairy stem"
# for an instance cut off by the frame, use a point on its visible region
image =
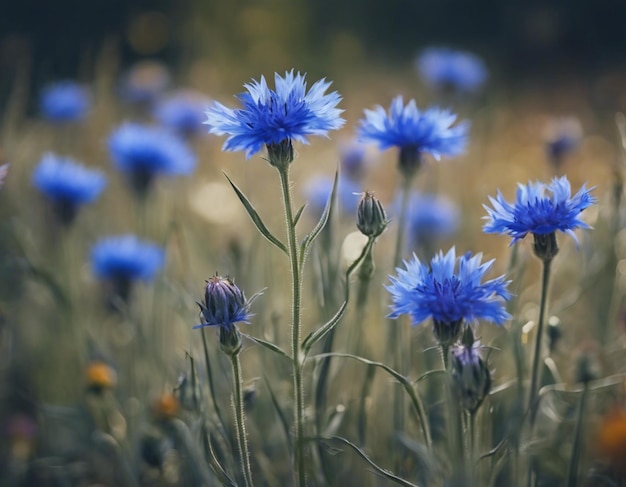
(242, 440)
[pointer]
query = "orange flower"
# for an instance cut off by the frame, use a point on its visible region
(100, 376)
(612, 439)
(166, 406)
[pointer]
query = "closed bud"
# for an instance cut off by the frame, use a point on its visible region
(471, 377)
(371, 218)
(230, 340)
(224, 303)
(545, 246)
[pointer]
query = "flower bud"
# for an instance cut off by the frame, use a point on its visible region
(224, 303)
(471, 377)
(230, 340)
(371, 218)
(545, 246)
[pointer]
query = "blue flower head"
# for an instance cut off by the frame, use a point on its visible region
(450, 291)
(64, 101)
(275, 118)
(125, 259)
(448, 70)
(430, 218)
(67, 184)
(144, 82)
(182, 112)
(538, 213)
(143, 152)
(353, 161)
(317, 190)
(414, 132)
(224, 304)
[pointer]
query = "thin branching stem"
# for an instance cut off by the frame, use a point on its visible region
(572, 475)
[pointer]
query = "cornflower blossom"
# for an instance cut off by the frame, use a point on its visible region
(64, 101)
(144, 82)
(430, 218)
(447, 295)
(67, 184)
(562, 136)
(541, 215)
(276, 118)
(124, 259)
(143, 153)
(414, 132)
(318, 189)
(448, 70)
(182, 112)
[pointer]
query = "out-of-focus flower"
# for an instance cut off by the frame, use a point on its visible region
(275, 118)
(541, 215)
(414, 132)
(183, 112)
(447, 70)
(317, 190)
(166, 406)
(353, 160)
(562, 136)
(4, 172)
(125, 259)
(430, 218)
(143, 153)
(611, 439)
(371, 218)
(470, 375)
(99, 376)
(67, 184)
(21, 433)
(451, 297)
(145, 82)
(64, 101)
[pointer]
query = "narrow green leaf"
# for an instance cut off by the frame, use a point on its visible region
(316, 335)
(380, 470)
(296, 218)
(416, 401)
(310, 238)
(214, 463)
(281, 415)
(269, 345)
(256, 219)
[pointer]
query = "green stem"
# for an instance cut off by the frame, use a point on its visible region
(242, 439)
(572, 475)
(536, 370)
(455, 424)
(472, 447)
(296, 351)
(209, 372)
(395, 339)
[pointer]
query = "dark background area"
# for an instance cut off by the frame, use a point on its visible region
(523, 39)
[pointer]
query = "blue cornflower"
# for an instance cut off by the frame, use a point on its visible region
(541, 215)
(144, 152)
(224, 304)
(561, 137)
(414, 132)
(144, 82)
(352, 159)
(125, 259)
(64, 101)
(275, 118)
(448, 70)
(317, 190)
(182, 112)
(430, 218)
(67, 184)
(451, 297)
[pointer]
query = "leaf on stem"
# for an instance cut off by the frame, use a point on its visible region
(256, 219)
(296, 218)
(269, 345)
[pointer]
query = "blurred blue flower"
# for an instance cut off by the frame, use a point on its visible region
(182, 112)
(124, 259)
(224, 304)
(429, 131)
(144, 82)
(352, 159)
(317, 190)
(272, 117)
(537, 213)
(430, 218)
(64, 101)
(448, 70)
(562, 136)
(67, 184)
(144, 152)
(450, 297)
